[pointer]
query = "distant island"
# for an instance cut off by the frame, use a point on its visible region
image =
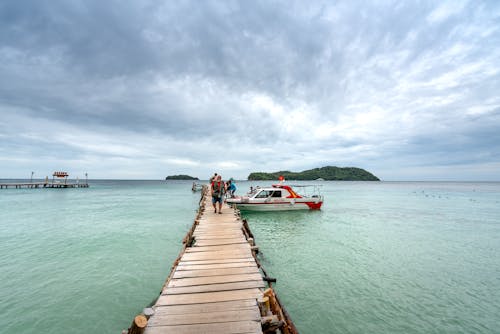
(180, 177)
(328, 173)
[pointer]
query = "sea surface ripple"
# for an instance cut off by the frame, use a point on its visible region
(380, 257)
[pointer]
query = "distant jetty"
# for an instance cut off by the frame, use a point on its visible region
(328, 173)
(180, 177)
(59, 180)
(43, 185)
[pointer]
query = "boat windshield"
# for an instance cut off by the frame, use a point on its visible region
(268, 193)
(263, 194)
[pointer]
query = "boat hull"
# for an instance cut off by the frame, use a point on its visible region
(284, 206)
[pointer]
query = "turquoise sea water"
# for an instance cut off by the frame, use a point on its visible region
(380, 257)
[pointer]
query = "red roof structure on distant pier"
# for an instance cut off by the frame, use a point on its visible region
(60, 174)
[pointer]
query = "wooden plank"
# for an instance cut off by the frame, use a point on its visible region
(227, 212)
(159, 319)
(197, 298)
(235, 327)
(218, 235)
(213, 221)
(220, 226)
(221, 242)
(216, 266)
(219, 223)
(217, 231)
(207, 307)
(215, 272)
(214, 255)
(217, 228)
(215, 287)
(215, 261)
(218, 248)
(213, 280)
(222, 235)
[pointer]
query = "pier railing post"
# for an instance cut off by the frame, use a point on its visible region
(140, 322)
(138, 325)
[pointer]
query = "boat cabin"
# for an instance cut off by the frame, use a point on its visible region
(265, 193)
(277, 191)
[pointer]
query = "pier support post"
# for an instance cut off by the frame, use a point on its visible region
(138, 325)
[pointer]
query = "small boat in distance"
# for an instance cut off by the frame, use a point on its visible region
(278, 197)
(196, 187)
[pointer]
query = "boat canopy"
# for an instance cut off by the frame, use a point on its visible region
(293, 194)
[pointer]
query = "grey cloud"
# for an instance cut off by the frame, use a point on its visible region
(393, 80)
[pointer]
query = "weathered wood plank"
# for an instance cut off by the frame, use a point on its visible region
(214, 255)
(204, 318)
(222, 235)
(219, 224)
(218, 235)
(224, 254)
(241, 248)
(216, 266)
(197, 298)
(215, 272)
(202, 243)
(230, 225)
(207, 307)
(213, 280)
(215, 287)
(216, 261)
(215, 229)
(245, 246)
(236, 327)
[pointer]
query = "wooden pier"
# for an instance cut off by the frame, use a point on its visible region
(43, 185)
(217, 284)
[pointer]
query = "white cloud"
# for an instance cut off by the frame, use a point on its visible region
(227, 88)
(445, 10)
(181, 162)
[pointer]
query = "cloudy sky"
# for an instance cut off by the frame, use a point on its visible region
(409, 90)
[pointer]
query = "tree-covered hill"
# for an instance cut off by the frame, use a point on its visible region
(328, 173)
(180, 177)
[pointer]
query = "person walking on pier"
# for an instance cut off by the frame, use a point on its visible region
(218, 189)
(231, 188)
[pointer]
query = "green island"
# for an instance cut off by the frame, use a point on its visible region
(328, 173)
(180, 177)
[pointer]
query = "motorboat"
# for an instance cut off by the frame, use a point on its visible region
(196, 187)
(278, 197)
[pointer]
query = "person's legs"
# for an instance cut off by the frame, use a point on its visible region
(214, 202)
(220, 205)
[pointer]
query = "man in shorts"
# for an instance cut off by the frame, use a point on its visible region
(218, 190)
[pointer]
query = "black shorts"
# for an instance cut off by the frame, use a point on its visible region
(216, 199)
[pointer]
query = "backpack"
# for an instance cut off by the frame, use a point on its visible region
(217, 189)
